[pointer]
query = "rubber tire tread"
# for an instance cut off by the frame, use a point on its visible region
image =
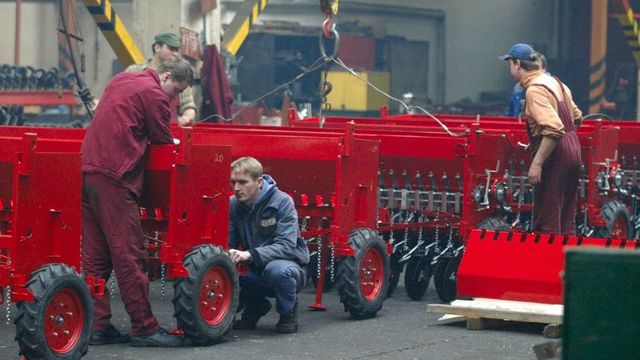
(186, 295)
(493, 223)
(348, 275)
(43, 284)
(609, 212)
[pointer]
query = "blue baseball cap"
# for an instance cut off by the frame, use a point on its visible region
(519, 51)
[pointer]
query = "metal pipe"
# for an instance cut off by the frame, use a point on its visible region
(17, 43)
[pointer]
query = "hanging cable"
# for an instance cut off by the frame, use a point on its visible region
(340, 63)
(83, 92)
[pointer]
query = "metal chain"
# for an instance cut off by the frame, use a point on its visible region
(319, 255)
(112, 283)
(437, 233)
(332, 261)
(325, 89)
(420, 240)
(8, 301)
(406, 238)
(162, 280)
(81, 257)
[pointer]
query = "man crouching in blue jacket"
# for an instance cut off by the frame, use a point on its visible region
(264, 232)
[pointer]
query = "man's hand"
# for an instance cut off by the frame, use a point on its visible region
(187, 118)
(184, 121)
(535, 173)
(239, 256)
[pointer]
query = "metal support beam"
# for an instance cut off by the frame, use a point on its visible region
(630, 26)
(239, 28)
(115, 32)
(18, 32)
(627, 19)
(597, 61)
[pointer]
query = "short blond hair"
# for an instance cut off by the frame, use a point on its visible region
(248, 165)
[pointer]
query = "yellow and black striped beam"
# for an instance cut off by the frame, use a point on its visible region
(630, 26)
(597, 61)
(239, 28)
(115, 32)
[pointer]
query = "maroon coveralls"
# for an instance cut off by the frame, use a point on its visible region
(133, 111)
(556, 196)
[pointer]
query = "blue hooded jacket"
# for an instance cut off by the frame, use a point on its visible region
(268, 228)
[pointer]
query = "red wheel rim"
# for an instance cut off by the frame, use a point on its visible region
(371, 274)
(64, 319)
(619, 230)
(215, 295)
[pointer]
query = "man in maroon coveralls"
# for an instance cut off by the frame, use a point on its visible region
(552, 117)
(134, 111)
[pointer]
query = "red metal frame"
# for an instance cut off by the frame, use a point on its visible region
(38, 226)
(520, 266)
(601, 144)
(45, 98)
(184, 202)
(331, 176)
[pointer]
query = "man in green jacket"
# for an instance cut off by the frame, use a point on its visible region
(167, 45)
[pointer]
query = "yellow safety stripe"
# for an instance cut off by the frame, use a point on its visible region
(115, 32)
(598, 53)
(241, 24)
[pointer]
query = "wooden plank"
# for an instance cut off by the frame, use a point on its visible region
(502, 309)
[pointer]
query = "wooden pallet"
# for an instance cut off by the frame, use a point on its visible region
(483, 313)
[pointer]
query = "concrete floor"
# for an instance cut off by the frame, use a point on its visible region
(402, 330)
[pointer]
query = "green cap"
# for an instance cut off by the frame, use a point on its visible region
(170, 39)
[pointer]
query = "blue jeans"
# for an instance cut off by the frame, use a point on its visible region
(282, 279)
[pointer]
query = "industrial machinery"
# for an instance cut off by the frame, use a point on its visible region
(40, 229)
(332, 178)
(40, 246)
(504, 201)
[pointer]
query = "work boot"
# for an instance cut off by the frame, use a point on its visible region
(110, 335)
(288, 323)
(161, 338)
(251, 314)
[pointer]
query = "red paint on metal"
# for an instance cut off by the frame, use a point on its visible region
(371, 274)
(63, 321)
(216, 290)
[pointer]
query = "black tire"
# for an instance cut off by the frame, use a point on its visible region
(449, 289)
(312, 270)
(212, 274)
(417, 277)
(493, 223)
(370, 252)
(439, 275)
(395, 269)
(45, 331)
(619, 224)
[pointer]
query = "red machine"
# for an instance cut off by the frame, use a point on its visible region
(186, 230)
(40, 246)
(331, 177)
(507, 194)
